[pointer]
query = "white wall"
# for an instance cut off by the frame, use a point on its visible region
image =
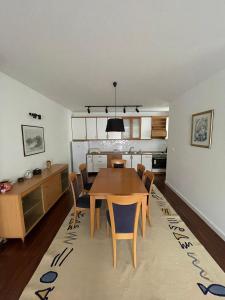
(198, 174)
(16, 101)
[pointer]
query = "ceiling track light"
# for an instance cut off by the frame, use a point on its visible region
(88, 110)
(106, 110)
(137, 110)
(124, 109)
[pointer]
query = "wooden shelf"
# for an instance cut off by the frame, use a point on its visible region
(159, 127)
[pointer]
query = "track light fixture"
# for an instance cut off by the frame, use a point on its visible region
(88, 110)
(137, 110)
(113, 106)
(124, 109)
(106, 110)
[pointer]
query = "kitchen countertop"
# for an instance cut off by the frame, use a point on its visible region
(127, 152)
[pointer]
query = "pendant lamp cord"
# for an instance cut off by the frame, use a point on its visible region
(115, 102)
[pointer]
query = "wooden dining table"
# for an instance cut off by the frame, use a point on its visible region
(113, 181)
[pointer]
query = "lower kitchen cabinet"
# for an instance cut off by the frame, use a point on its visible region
(136, 159)
(96, 162)
(128, 159)
(147, 161)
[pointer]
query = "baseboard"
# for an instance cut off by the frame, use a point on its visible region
(197, 211)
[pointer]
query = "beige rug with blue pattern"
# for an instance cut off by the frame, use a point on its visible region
(171, 263)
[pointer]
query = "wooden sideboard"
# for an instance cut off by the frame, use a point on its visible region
(23, 207)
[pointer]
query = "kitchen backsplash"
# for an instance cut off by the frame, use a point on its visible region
(124, 145)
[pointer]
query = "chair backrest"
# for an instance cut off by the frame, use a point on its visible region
(118, 163)
(124, 213)
(84, 174)
(148, 181)
(140, 170)
(74, 186)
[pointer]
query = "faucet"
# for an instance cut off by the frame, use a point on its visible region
(130, 149)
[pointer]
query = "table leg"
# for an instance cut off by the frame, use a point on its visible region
(92, 215)
(144, 211)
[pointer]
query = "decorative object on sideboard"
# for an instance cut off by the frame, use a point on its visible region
(35, 116)
(48, 164)
(37, 171)
(20, 179)
(201, 130)
(5, 186)
(33, 139)
(28, 174)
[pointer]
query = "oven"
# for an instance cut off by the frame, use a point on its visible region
(159, 162)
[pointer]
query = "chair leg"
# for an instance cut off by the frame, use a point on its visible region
(135, 251)
(98, 218)
(114, 252)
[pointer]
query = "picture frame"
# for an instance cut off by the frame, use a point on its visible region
(33, 139)
(201, 129)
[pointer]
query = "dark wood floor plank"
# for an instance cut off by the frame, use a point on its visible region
(18, 260)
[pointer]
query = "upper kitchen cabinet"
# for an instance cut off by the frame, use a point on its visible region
(91, 124)
(79, 128)
(101, 126)
(132, 127)
(146, 127)
(159, 127)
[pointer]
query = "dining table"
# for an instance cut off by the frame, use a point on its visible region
(117, 181)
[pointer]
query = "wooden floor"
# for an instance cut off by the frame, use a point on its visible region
(18, 260)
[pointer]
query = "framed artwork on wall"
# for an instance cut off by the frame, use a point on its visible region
(33, 139)
(201, 130)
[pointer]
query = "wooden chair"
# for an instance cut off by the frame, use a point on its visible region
(148, 182)
(82, 202)
(85, 184)
(140, 170)
(123, 216)
(118, 163)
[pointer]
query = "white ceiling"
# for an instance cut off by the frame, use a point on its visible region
(72, 50)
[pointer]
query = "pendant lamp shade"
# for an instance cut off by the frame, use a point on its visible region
(115, 125)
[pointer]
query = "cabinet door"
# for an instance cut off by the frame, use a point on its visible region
(128, 160)
(99, 161)
(101, 127)
(91, 128)
(90, 163)
(127, 133)
(147, 161)
(146, 128)
(136, 159)
(51, 191)
(79, 128)
(136, 128)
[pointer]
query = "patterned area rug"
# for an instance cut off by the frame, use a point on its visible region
(171, 263)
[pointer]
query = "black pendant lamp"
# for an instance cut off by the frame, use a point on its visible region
(115, 124)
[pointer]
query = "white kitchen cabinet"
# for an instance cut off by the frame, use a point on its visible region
(99, 161)
(79, 128)
(136, 159)
(136, 132)
(146, 128)
(90, 165)
(128, 160)
(101, 127)
(147, 161)
(91, 128)
(127, 133)
(114, 135)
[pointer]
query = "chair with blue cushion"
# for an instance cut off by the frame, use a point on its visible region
(82, 202)
(118, 163)
(86, 185)
(122, 216)
(148, 179)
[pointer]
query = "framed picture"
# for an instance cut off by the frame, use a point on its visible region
(201, 132)
(33, 139)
